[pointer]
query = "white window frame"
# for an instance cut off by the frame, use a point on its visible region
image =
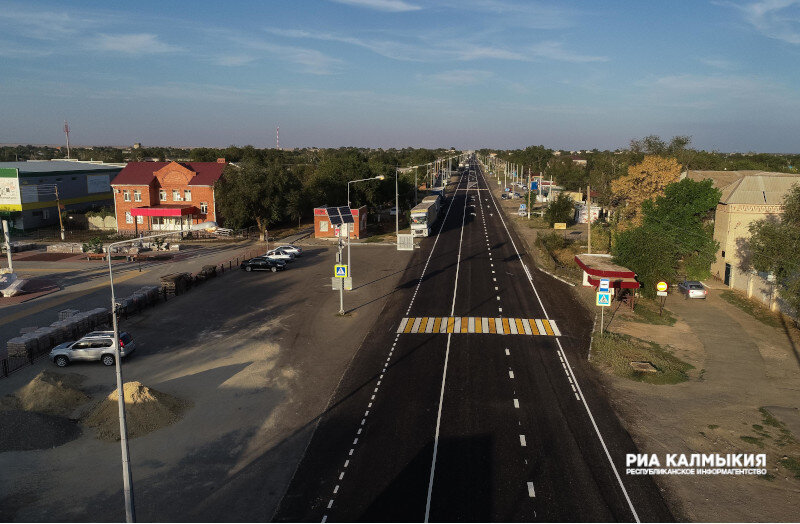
(140, 219)
(323, 226)
(126, 195)
(176, 195)
(128, 217)
(137, 195)
(203, 208)
(162, 195)
(187, 195)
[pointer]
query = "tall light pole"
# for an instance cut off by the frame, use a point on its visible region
(127, 482)
(396, 207)
(349, 261)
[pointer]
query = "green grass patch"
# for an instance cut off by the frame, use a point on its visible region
(792, 464)
(756, 441)
(713, 426)
(767, 476)
(616, 352)
(768, 419)
(646, 312)
(752, 308)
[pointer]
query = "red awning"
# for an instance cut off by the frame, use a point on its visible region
(164, 211)
(619, 283)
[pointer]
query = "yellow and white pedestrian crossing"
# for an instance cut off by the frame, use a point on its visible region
(497, 325)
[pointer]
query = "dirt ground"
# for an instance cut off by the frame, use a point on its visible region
(741, 397)
(253, 360)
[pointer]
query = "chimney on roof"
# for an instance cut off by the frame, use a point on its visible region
(220, 161)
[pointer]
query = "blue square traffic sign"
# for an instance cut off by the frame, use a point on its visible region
(603, 298)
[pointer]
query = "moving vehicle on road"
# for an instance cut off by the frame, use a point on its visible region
(435, 199)
(97, 345)
(280, 254)
(295, 250)
(423, 217)
(692, 289)
(263, 264)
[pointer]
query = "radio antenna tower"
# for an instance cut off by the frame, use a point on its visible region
(66, 130)
(278, 137)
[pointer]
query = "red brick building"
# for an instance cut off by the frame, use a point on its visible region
(165, 196)
(324, 229)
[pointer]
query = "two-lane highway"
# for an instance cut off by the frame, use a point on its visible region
(461, 404)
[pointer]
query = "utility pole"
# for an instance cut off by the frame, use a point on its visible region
(589, 218)
(8, 246)
(396, 208)
(529, 193)
(66, 131)
(58, 210)
(341, 280)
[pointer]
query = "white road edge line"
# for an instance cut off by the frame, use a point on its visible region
(444, 372)
(582, 396)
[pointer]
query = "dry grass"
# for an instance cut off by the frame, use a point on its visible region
(614, 353)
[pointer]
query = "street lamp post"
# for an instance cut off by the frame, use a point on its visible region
(349, 264)
(396, 208)
(127, 483)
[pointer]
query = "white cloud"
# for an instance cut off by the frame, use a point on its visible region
(133, 44)
(457, 77)
(394, 6)
(778, 19)
(718, 63)
(310, 60)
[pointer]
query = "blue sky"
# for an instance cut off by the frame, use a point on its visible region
(396, 73)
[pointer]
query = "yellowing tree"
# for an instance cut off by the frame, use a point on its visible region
(644, 181)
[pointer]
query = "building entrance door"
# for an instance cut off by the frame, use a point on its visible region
(727, 274)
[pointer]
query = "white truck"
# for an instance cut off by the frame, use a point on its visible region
(423, 217)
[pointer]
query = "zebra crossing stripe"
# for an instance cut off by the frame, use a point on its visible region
(479, 325)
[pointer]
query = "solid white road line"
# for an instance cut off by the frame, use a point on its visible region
(444, 371)
(580, 394)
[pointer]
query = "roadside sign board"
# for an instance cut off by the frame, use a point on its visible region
(662, 293)
(340, 271)
(603, 298)
(662, 286)
(604, 283)
(534, 185)
(560, 225)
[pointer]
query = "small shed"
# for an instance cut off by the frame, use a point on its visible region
(324, 229)
(596, 267)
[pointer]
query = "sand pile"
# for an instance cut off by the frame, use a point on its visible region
(52, 393)
(146, 410)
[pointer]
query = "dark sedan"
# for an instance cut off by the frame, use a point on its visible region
(263, 264)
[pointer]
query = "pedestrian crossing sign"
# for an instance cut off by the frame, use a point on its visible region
(340, 271)
(603, 298)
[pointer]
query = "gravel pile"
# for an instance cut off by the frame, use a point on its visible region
(28, 430)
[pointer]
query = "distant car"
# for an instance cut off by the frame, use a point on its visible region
(692, 289)
(516, 195)
(97, 345)
(295, 250)
(393, 211)
(222, 231)
(507, 189)
(280, 254)
(505, 196)
(263, 264)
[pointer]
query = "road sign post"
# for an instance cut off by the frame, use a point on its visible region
(661, 291)
(603, 300)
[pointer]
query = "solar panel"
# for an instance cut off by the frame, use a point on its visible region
(340, 215)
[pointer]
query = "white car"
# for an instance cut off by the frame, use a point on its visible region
(295, 250)
(280, 254)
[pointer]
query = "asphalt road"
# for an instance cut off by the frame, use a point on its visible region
(465, 425)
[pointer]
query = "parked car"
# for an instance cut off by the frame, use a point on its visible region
(505, 196)
(263, 264)
(223, 231)
(97, 345)
(516, 195)
(393, 210)
(295, 250)
(692, 289)
(280, 254)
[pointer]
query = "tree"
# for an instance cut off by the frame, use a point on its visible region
(649, 254)
(683, 214)
(675, 236)
(255, 193)
(644, 181)
(562, 209)
(774, 246)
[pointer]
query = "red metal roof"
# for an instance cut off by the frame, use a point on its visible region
(164, 210)
(141, 173)
(619, 283)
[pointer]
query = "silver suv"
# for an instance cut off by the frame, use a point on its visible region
(97, 345)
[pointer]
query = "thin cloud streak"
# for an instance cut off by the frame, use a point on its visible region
(393, 6)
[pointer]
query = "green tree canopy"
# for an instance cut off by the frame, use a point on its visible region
(774, 247)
